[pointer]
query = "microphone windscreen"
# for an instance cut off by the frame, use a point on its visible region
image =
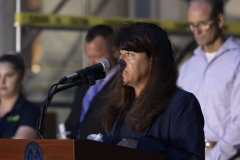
(106, 65)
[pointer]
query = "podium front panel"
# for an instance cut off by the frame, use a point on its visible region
(47, 149)
(18, 149)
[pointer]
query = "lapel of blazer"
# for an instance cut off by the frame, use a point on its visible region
(112, 132)
(134, 134)
(145, 133)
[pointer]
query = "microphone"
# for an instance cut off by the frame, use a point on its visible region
(91, 73)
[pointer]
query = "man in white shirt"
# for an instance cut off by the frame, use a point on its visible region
(212, 74)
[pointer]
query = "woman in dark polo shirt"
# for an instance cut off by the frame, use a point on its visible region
(18, 117)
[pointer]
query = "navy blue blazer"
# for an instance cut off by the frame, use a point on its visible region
(178, 133)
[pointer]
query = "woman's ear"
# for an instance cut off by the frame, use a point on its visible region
(220, 20)
(151, 59)
(115, 52)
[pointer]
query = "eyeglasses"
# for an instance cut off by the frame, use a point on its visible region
(201, 25)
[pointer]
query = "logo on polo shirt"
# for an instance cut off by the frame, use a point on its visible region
(13, 118)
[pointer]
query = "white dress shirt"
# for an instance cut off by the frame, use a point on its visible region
(216, 84)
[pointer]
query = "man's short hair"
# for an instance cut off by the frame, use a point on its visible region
(99, 30)
(217, 7)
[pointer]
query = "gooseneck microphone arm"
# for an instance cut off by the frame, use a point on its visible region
(48, 101)
(87, 77)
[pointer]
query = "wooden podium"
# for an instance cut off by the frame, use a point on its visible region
(18, 149)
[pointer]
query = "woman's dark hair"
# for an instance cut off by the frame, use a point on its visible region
(17, 62)
(161, 83)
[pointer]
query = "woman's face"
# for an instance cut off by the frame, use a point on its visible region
(10, 82)
(134, 68)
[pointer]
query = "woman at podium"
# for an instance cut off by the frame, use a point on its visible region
(146, 109)
(18, 117)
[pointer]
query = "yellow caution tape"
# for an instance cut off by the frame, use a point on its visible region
(59, 21)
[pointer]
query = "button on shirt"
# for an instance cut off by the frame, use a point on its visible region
(216, 84)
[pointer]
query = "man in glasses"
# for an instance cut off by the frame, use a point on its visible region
(213, 75)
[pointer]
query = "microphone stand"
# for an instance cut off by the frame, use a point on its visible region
(89, 78)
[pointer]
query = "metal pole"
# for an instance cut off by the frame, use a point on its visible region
(18, 28)
(85, 10)
(85, 7)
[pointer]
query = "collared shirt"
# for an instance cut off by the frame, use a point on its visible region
(110, 74)
(216, 84)
(22, 113)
